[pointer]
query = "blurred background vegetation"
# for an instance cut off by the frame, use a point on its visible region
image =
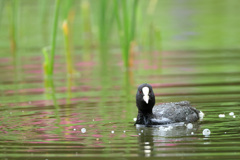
(90, 31)
(90, 28)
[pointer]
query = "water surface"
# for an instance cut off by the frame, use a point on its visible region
(96, 108)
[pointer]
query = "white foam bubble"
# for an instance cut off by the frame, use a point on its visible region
(201, 115)
(206, 132)
(147, 147)
(83, 130)
(221, 115)
(134, 119)
(166, 128)
(231, 114)
(189, 125)
(162, 120)
(112, 132)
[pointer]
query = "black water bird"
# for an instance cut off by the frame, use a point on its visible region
(165, 113)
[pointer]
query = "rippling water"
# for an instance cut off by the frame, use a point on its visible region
(95, 109)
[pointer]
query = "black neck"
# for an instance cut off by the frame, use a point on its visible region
(145, 112)
(144, 117)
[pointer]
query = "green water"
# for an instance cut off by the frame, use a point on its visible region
(199, 62)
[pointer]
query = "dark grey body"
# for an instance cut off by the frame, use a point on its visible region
(176, 112)
(169, 113)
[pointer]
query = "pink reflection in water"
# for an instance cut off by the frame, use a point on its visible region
(4, 60)
(38, 142)
(97, 135)
(123, 135)
(85, 64)
(30, 91)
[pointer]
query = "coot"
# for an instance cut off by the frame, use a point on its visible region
(165, 113)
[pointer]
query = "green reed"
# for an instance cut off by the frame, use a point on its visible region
(68, 53)
(49, 59)
(13, 12)
(54, 35)
(66, 34)
(126, 22)
(102, 25)
(104, 29)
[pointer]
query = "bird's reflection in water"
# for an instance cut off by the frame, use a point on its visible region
(156, 139)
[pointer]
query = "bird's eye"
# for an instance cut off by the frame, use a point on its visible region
(140, 91)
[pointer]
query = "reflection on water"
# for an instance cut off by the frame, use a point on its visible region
(94, 115)
(150, 139)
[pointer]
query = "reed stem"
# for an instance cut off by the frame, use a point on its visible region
(67, 48)
(126, 29)
(54, 35)
(13, 10)
(133, 25)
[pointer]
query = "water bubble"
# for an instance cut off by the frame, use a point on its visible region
(142, 131)
(231, 114)
(112, 132)
(168, 128)
(192, 133)
(74, 129)
(221, 115)
(234, 116)
(206, 132)
(161, 128)
(201, 115)
(147, 147)
(83, 130)
(124, 131)
(134, 119)
(147, 151)
(189, 125)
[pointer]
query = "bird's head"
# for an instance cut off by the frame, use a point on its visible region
(145, 98)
